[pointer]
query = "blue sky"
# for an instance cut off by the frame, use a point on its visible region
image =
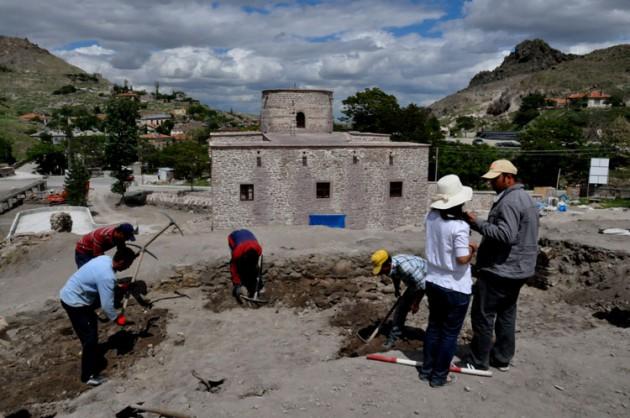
(224, 52)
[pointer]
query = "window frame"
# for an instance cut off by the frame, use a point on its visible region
(244, 192)
(319, 184)
(391, 189)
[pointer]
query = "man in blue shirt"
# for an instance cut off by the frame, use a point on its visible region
(409, 269)
(91, 287)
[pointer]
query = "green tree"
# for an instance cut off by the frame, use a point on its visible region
(6, 151)
(465, 123)
(529, 109)
(122, 139)
(372, 110)
(50, 159)
(76, 183)
(469, 162)
(189, 159)
(559, 145)
(616, 100)
(166, 127)
(416, 124)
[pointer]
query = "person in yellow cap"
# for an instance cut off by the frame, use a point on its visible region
(505, 260)
(409, 269)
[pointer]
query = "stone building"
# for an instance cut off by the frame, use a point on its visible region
(297, 167)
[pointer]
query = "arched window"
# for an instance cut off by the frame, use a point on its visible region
(300, 120)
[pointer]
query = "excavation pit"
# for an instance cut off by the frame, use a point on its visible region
(41, 361)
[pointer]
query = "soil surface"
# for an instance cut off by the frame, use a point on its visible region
(299, 355)
(41, 362)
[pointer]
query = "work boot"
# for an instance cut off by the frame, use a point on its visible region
(394, 334)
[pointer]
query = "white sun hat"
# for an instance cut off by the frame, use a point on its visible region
(450, 193)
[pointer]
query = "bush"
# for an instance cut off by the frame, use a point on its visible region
(67, 89)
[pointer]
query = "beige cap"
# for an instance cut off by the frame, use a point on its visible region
(499, 167)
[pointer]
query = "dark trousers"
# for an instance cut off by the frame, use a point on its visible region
(494, 310)
(447, 311)
(404, 306)
(85, 325)
(81, 258)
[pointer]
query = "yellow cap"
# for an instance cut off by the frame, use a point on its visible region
(499, 167)
(378, 259)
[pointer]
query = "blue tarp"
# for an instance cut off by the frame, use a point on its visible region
(332, 220)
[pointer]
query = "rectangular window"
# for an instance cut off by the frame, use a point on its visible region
(247, 192)
(391, 159)
(395, 188)
(304, 160)
(258, 162)
(322, 190)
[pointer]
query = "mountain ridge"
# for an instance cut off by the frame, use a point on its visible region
(534, 67)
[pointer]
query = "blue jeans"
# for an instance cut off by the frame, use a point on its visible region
(447, 311)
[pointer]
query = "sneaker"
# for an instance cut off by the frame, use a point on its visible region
(389, 343)
(500, 366)
(450, 379)
(467, 365)
(95, 381)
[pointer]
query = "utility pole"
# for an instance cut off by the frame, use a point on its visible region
(437, 154)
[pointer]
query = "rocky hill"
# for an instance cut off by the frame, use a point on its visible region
(34, 80)
(535, 66)
(30, 76)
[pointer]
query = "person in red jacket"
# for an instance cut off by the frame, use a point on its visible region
(244, 267)
(100, 240)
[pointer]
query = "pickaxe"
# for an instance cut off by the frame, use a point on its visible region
(140, 248)
(143, 249)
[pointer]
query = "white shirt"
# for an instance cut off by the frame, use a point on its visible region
(445, 241)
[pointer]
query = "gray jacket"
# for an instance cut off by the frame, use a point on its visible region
(509, 247)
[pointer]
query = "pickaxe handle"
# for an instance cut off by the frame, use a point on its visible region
(377, 329)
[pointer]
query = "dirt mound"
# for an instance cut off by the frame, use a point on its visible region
(41, 361)
(592, 277)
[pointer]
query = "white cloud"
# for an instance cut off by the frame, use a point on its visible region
(224, 54)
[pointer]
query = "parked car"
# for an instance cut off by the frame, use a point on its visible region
(508, 144)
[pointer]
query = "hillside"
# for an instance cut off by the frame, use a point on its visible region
(535, 66)
(29, 75)
(34, 80)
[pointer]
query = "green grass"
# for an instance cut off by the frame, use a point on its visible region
(615, 203)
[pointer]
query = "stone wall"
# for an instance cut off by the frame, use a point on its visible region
(368, 137)
(198, 202)
(280, 107)
(245, 136)
(285, 189)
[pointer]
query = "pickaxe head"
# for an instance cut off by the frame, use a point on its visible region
(172, 222)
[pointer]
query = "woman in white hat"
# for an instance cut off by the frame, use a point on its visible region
(448, 280)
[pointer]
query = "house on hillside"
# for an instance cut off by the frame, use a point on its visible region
(184, 129)
(592, 99)
(159, 141)
(297, 169)
(153, 120)
(34, 117)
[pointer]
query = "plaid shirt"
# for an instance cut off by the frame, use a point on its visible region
(410, 269)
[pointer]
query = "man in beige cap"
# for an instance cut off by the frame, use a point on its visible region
(505, 260)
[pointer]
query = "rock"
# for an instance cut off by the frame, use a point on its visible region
(4, 326)
(467, 388)
(61, 222)
(180, 339)
(342, 268)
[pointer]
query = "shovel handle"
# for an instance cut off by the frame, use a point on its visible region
(378, 327)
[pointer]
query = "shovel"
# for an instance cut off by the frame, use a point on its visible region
(378, 327)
